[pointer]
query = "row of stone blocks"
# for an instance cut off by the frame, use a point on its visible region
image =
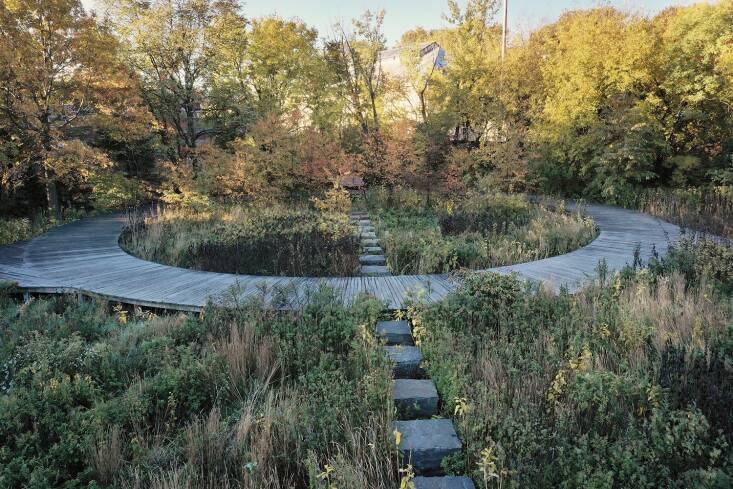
(370, 259)
(424, 442)
(373, 263)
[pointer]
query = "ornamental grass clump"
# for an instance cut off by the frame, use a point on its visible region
(702, 210)
(497, 214)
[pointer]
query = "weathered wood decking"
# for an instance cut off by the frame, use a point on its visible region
(85, 257)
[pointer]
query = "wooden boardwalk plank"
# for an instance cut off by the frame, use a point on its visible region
(85, 256)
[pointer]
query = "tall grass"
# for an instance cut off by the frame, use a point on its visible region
(275, 241)
(477, 232)
(699, 210)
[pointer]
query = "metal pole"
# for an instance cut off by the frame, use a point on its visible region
(503, 30)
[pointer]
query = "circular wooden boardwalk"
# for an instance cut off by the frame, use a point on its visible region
(84, 257)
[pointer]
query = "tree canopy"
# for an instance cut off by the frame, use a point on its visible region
(165, 97)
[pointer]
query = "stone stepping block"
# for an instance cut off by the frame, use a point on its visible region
(415, 398)
(369, 242)
(366, 229)
(365, 222)
(373, 250)
(375, 271)
(368, 235)
(394, 332)
(372, 260)
(426, 442)
(405, 360)
(444, 482)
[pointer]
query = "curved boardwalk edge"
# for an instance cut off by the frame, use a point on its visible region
(85, 257)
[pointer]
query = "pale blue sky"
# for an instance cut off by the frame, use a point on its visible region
(402, 15)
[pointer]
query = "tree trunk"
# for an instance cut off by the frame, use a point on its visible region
(190, 125)
(191, 137)
(52, 195)
(423, 109)
(373, 100)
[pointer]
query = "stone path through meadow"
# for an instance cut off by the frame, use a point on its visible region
(372, 260)
(423, 439)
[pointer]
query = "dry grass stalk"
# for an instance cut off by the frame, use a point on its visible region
(107, 455)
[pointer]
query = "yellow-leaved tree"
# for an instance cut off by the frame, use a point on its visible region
(48, 54)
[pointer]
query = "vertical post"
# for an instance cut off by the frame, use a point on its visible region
(503, 30)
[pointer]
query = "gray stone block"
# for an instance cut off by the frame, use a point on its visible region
(366, 229)
(372, 260)
(426, 442)
(375, 271)
(373, 250)
(368, 235)
(415, 398)
(394, 332)
(406, 360)
(443, 482)
(369, 242)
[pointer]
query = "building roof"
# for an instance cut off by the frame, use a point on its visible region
(431, 54)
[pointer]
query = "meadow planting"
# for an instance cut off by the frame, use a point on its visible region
(248, 240)
(239, 397)
(477, 231)
(626, 384)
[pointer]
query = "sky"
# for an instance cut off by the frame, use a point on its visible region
(402, 15)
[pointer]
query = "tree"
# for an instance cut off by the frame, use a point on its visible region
(49, 55)
(358, 66)
(423, 57)
(263, 68)
(597, 69)
(471, 75)
(277, 160)
(171, 44)
(693, 89)
(230, 109)
(281, 56)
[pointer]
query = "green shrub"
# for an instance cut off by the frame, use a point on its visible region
(700, 261)
(20, 229)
